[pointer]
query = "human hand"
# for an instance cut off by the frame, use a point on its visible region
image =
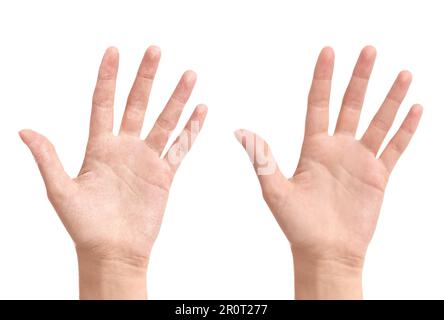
(329, 208)
(114, 207)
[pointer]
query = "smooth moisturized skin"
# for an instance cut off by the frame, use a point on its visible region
(114, 207)
(329, 208)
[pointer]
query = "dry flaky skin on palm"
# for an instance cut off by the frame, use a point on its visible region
(114, 207)
(329, 208)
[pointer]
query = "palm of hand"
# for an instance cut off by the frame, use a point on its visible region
(121, 193)
(335, 195)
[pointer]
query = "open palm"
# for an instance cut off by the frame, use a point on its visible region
(115, 205)
(329, 208)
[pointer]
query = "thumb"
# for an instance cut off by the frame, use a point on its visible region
(54, 176)
(270, 177)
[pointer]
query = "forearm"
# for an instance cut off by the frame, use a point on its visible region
(316, 278)
(110, 278)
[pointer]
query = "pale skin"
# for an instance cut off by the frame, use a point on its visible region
(329, 208)
(113, 209)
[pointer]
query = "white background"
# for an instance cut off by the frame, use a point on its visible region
(254, 61)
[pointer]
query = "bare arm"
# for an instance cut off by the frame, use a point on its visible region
(329, 208)
(113, 209)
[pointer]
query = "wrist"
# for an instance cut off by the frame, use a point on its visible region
(321, 277)
(103, 277)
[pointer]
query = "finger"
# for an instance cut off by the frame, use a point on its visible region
(401, 139)
(354, 95)
(134, 114)
(319, 96)
(383, 120)
(167, 120)
(268, 173)
(51, 169)
(103, 98)
(179, 149)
